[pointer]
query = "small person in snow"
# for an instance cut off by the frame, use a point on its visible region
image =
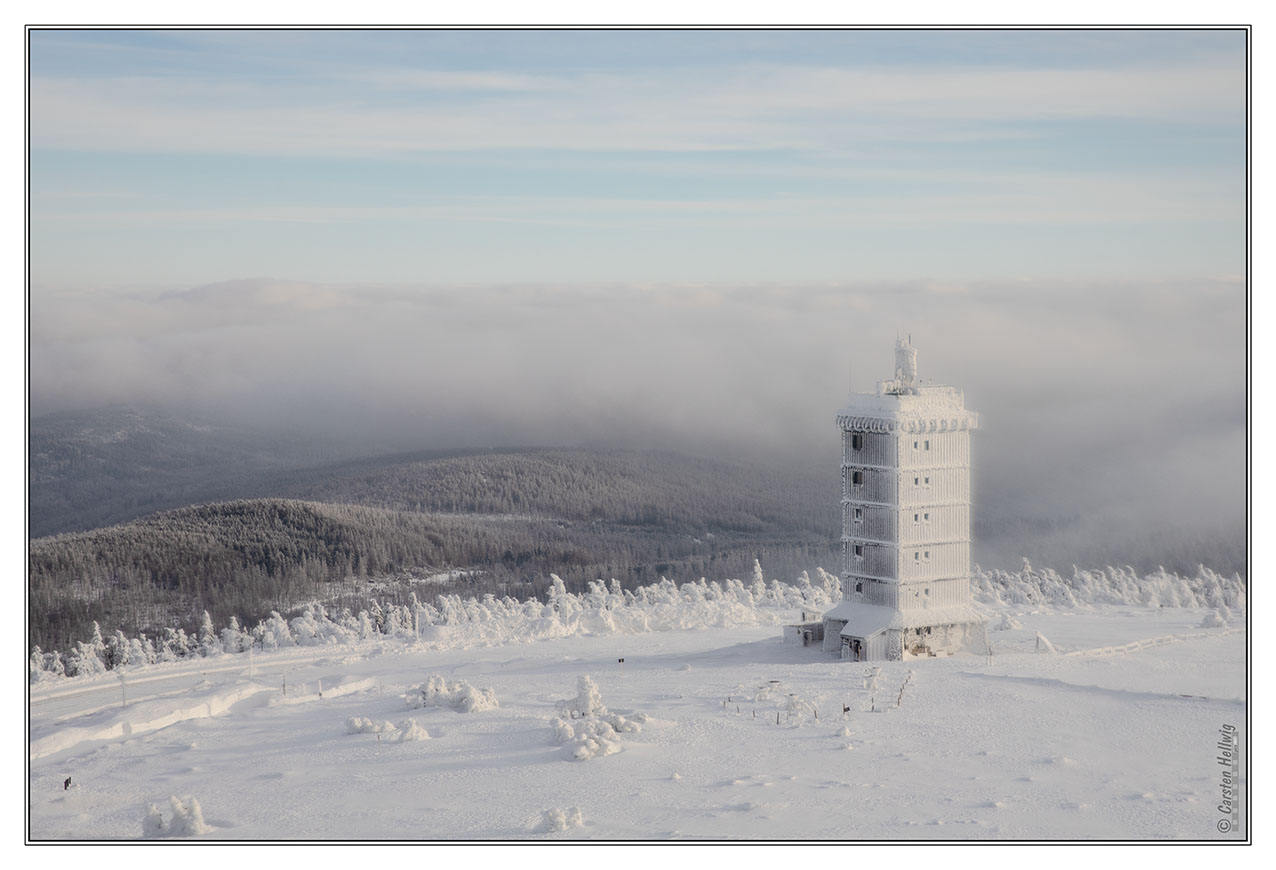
(66, 784)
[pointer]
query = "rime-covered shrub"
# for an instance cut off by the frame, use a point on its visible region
(586, 729)
(555, 820)
(410, 731)
(360, 725)
(459, 696)
(187, 820)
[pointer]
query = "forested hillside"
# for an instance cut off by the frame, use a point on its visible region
(509, 519)
(655, 490)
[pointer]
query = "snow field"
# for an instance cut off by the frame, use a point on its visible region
(744, 737)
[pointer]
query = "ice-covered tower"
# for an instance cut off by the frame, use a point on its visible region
(905, 520)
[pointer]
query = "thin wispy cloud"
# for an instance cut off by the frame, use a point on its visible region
(640, 156)
(752, 108)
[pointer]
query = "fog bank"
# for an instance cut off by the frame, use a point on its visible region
(1110, 415)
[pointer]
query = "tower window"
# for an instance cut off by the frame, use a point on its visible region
(857, 477)
(928, 481)
(928, 445)
(914, 445)
(914, 481)
(917, 557)
(857, 441)
(859, 587)
(928, 554)
(915, 517)
(859, 551)
(926, 516)
(859, 515)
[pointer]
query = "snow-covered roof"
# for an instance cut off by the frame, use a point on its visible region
(862, 620)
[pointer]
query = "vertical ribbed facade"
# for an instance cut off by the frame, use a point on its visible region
(905, 518)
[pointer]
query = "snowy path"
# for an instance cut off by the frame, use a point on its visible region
(745, 737)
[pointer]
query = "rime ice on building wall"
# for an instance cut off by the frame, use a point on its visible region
(905, 520)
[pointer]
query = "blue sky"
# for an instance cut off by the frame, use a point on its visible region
(651, 156)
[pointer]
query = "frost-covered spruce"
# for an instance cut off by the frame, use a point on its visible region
(589, 700)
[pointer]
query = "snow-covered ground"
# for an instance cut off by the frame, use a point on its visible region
(703, 733)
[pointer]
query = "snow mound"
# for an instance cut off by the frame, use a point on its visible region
(1007, 623)
(359, 725)
(555, 820)
(187, 821)
(586, 728)
(1213, 619)
(460, 696)
(409, 730)
(586, 738)
(405, 732)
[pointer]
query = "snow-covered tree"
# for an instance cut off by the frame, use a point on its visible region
(234, 639)
(85, 660)
(117, 650)
(172, 646)
(208, 643)
(141, 650)
(36, 664)
(275, 632)
(758, 586)
(589, 700)
(97, 643)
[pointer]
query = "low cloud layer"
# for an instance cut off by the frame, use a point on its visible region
(1108, 413)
